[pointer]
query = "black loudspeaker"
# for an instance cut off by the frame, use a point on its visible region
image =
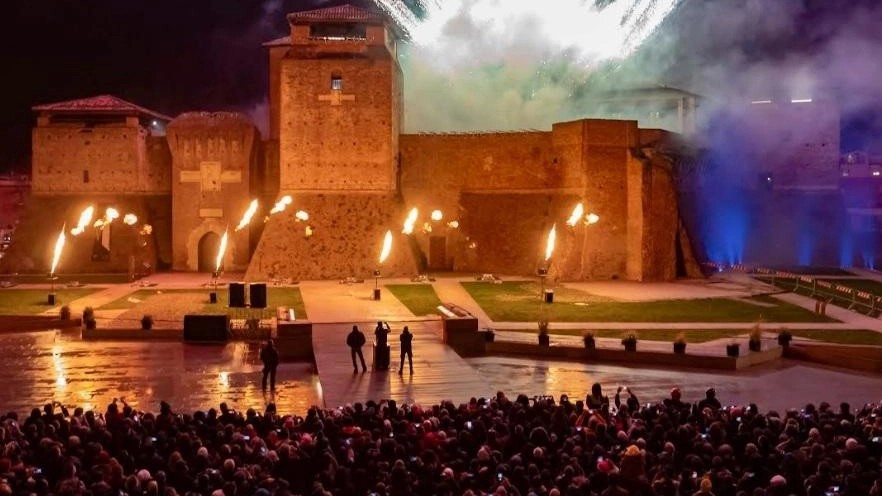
(237, 295)
(212, 328)
(257, 294)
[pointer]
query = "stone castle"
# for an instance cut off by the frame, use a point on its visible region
(335, 145)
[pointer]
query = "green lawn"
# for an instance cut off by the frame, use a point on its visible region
(34, 301)
(276, 297)
(839, 299)
(838, 336)
(420, 299)
(520, 302)
(66, 278)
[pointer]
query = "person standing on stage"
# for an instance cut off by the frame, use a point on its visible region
(406, 339)
(269, 355)
(355, 340)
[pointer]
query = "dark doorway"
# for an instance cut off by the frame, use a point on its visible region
(438, 253)
(208, 247)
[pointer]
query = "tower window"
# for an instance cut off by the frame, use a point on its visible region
(85, 176)
(336, 82)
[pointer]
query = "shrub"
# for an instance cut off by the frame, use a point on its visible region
(784, 337)
(588, 339)
(147, 322)
(680, 343)
(630, 341)
(64, 313)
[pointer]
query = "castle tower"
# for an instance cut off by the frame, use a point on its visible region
(336, 101)
(335, 109)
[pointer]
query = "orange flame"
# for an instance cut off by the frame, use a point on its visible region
(83, 223)
(387, 247)
(410, 221)
(592, 218)
(281, 204)
(220, 252)
(576, 216)
(549, 247)
(252, 208)
(56, 255)
(437, 215)
(110, 215)
(130, 219)
(302, 215)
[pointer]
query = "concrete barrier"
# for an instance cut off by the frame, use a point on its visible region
(131, 334)
(17, 323)
(294, 340)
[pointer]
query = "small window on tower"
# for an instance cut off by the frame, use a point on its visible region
(336, 82)
(85, 176)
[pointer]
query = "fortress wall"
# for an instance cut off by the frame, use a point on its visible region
(347, 236)
(94, 158)
(44, 215)
(214, 154)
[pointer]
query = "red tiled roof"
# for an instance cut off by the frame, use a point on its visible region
(344, 13)
(283, 41)
(102, 104)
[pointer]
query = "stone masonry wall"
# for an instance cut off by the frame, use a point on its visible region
(213, 157)
(99, 158)
(339, 140)
(347, 235)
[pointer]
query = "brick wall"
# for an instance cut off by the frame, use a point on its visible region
(98, 158)
(219, 148)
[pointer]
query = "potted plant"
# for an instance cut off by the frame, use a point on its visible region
(733, 349)
(147, 322)
(64, 313)
(588, 339)
(89, 318)
(544, 338)
(680, 344)
(754, 343)
(784, 337)
(630, 342)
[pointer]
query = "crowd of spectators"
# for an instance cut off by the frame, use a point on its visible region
(541, 446)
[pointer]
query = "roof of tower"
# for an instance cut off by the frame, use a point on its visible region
(340, 13)
(101, 104)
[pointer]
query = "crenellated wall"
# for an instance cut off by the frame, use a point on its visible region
(214, 154)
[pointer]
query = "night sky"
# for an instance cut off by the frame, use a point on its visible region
(173, 56)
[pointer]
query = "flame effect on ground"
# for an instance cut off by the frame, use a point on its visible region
(246, 219)
(592, 218)
(410, 221)
(302, 216)
(130, 219)
(56, 255)
(576, 216)
(549, 246)
(85, 220)
(387, 247)
(281, 204)
(220, 252)
(437, 215)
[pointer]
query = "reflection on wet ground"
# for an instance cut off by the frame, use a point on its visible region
(44, 366)
(53, 366)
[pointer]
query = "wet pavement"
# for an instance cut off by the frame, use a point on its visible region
(46, 366)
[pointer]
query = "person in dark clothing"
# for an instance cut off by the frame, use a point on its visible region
(710, 400)
(406, 339)
(596, 399)
(355, 340)
(269, 355)
(381, 357)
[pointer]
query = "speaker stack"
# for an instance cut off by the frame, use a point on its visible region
(257, 295)
(237, 295)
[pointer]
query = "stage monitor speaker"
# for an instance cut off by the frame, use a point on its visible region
(257, 294)
(237, 295)
(211, 328)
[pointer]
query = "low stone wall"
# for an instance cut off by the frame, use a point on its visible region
(15, 323)
(863, 358)
(649, 358)
(129, 334)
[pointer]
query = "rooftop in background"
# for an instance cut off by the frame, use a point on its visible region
(340, 13)
(656, 92)
(100, 105)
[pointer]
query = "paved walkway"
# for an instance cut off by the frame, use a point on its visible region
(439, 373)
